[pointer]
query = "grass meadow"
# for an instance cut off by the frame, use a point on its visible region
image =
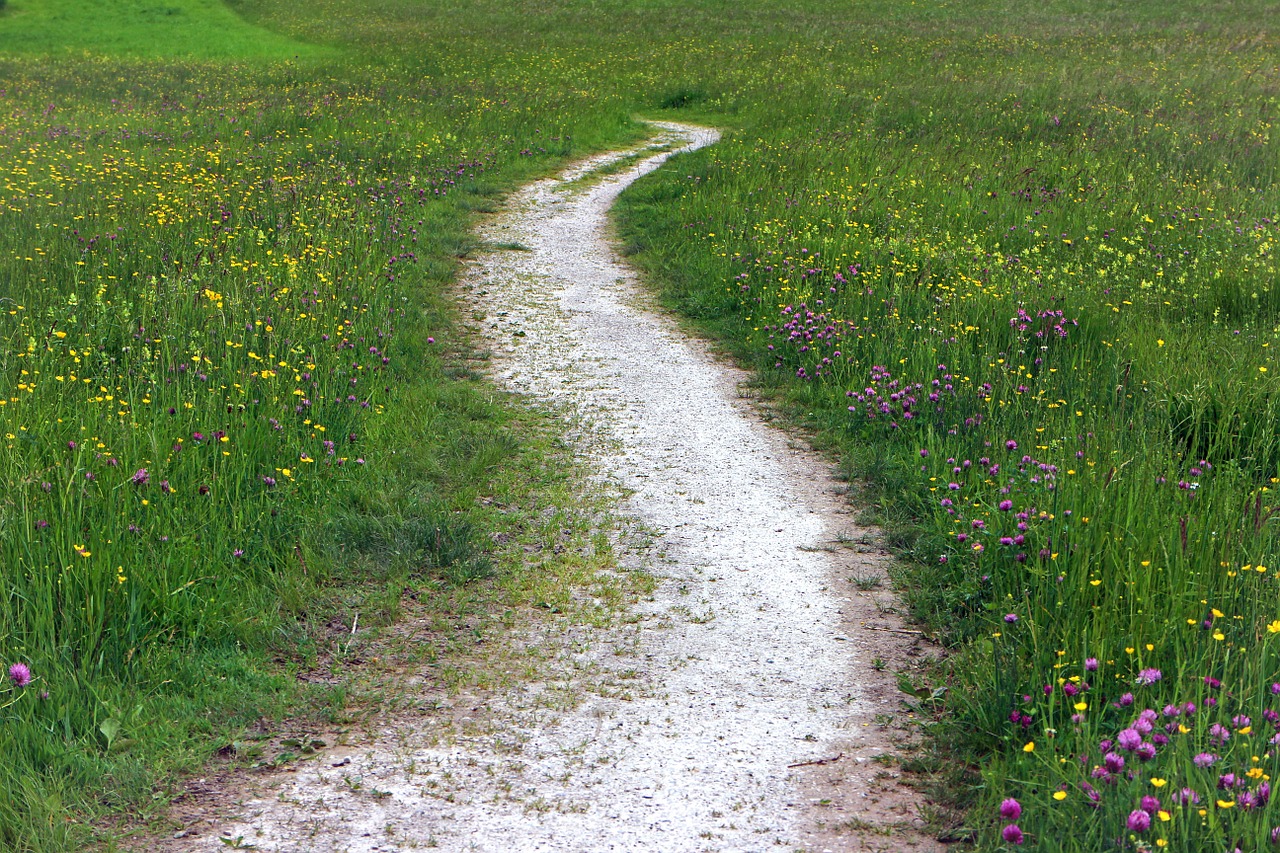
(1015, 265)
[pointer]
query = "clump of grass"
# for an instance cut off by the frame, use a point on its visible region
(685, 96)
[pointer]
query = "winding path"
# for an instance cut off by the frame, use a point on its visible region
(752, 657)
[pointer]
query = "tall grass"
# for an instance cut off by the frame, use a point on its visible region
(1036, 277)
(234, 402)
(1059, 221)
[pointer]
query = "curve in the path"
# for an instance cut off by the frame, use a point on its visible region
(743, 662)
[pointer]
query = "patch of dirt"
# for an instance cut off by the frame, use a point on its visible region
(750, 703)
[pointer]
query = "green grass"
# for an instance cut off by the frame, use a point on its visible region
(201, 29)
(237, 403)
(914, 175)
(1063, 226)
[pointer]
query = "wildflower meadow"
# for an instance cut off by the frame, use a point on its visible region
(1015, 266)
(237, 403)
(1029, 290)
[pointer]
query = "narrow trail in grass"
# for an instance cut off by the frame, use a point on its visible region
(680, 725)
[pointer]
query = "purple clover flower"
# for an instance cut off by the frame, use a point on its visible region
(20, 674)
(1129, 739)
(1148, 677)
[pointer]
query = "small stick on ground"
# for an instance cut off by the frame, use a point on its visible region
(817, 762)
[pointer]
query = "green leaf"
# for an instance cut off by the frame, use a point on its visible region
(110, 729)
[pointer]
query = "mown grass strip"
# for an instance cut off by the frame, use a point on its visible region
(200, 29)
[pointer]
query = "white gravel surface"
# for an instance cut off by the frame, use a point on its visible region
(691, 709)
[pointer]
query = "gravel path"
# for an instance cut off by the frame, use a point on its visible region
(754, 654)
